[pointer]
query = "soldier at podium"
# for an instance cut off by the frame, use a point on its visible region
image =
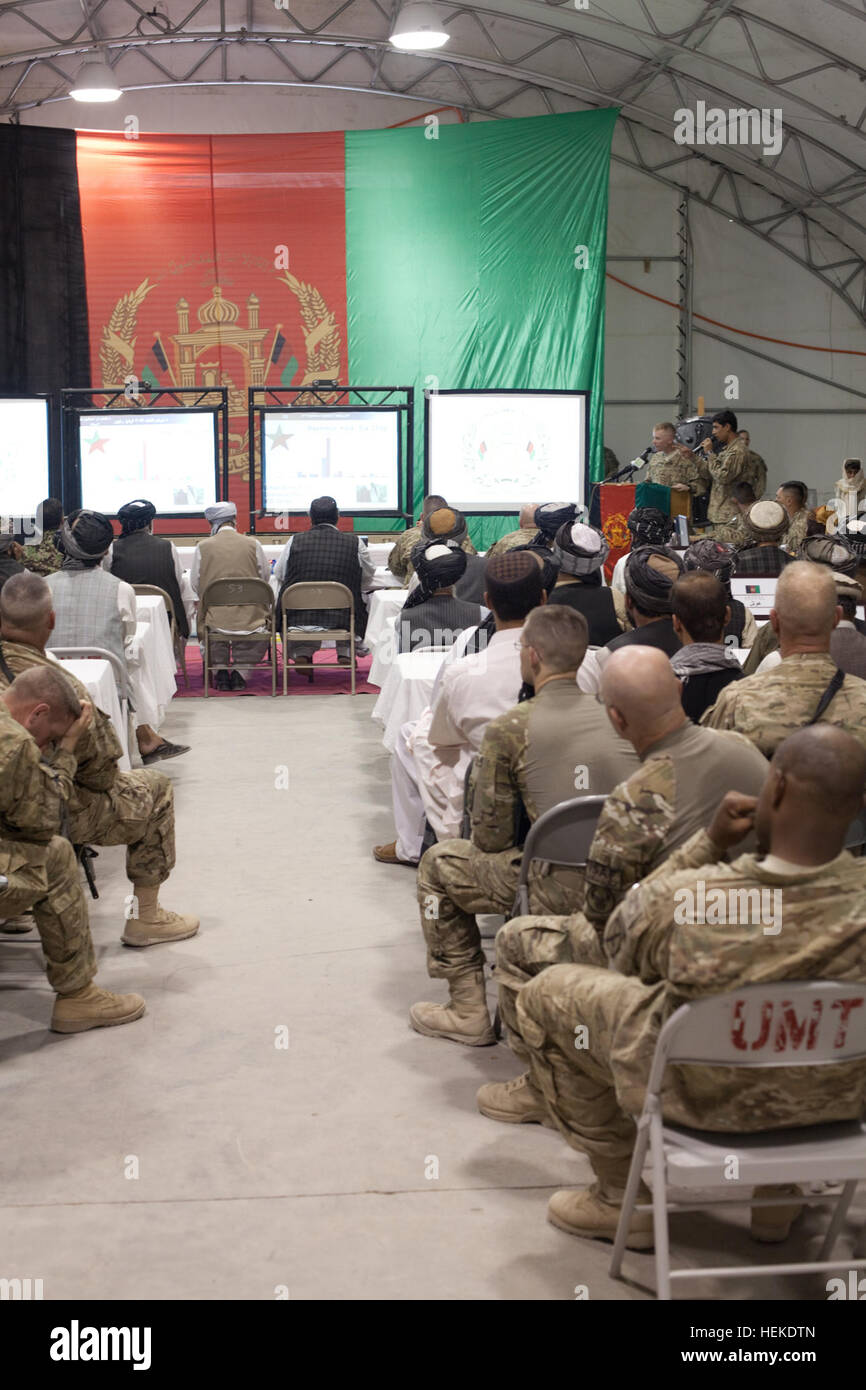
(673, 465)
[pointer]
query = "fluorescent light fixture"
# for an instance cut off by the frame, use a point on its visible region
(418, 26)
(95, 82)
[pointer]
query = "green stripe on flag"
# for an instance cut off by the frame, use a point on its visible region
(460, 262)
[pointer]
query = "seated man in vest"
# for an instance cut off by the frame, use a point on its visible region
(659, 953)
(96, 609)
(227, 555)
(674, 792)
(807, 685)
(40, 714)
(762, 558)
(325, 553)
(140, 557)
(718, 558)
(536, 755)
(105, 806)
(847, 644)
(704, 664)
(649, 579)
(428, 766)
(44, 558)
(580, 551)
(431, 615)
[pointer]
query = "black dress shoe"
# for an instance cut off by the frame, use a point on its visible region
(236, 681)
(222, 681)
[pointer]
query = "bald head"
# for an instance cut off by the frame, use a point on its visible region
(642, 695)
(26, 609)
(804, 610)
(527, 515)
(814, 790)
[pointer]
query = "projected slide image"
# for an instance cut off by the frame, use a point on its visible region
(490, 452)
(350, 455)
(167, 458)
(23, 459)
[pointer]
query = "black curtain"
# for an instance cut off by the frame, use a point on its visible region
(44, 343)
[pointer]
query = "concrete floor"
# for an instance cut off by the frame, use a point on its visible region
(264, 1169)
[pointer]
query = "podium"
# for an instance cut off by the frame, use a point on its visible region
(610, 509)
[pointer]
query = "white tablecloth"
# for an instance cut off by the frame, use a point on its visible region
(385, 608)
(98, 678)
(406, 692)
(152, 677)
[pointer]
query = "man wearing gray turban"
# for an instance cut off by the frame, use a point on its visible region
(227, 555)
(580, 551)
(93, 607)
(431, 615)
(649, 579)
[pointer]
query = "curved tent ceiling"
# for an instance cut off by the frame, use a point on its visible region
(511, 58)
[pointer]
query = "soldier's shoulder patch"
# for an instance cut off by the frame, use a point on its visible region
(655, 778)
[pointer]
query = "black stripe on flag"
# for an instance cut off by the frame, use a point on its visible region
(279, 344)
(160, 355)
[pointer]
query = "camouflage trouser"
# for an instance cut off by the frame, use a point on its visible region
(137, 811)
(456, 880)
(590, 1036)
(44, 880)
(527, 945)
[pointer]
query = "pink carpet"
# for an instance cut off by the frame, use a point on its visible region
(325, 682)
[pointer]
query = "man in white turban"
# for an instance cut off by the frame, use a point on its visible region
(225, 554)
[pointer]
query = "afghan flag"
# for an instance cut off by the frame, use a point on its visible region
(436, 257)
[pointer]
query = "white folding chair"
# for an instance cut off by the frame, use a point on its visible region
(560, 836)
(794, 1023)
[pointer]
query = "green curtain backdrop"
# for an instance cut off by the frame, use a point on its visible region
(460, 263)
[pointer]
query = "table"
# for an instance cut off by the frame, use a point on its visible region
(385, 608)
(98, 678)
(152, 674)
(406, 692)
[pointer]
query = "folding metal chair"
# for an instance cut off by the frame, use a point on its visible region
(317, 594)
(560, 836)
(240, 592)
(793, 1023)
(178, 643)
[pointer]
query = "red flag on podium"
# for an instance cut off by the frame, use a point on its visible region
(617, 500)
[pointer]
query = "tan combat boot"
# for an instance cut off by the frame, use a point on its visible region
(15, 926)
(517, 1102)
(154, 924)
(594, 1213)
(465, 1019)
(772, 1225)
(93, 1007)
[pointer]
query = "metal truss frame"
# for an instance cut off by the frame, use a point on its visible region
(798, 202)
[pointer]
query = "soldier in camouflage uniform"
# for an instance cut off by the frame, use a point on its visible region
(39, 710)
(792, 496)
(675, 791)
(45, 558)
(735, 463)
(524, 535)
(106, 806)
(674, 466)
(591, 1033)
(438, 523)
(766, 708)
(534, 756)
